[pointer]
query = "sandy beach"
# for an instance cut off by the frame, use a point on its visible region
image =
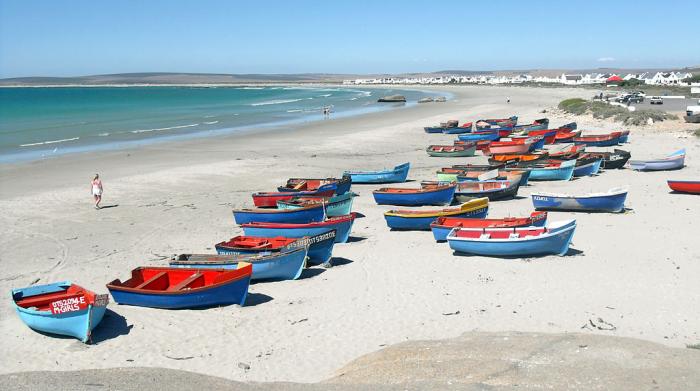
(633, 274)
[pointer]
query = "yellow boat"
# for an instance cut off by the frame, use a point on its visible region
(421, 219)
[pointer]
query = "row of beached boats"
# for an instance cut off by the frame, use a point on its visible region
(300, 224)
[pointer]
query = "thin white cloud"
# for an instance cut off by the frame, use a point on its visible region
(606, 59)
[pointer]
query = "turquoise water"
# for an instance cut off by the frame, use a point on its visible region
(37, 123)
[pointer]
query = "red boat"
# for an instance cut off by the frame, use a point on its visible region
(565, 135)
(513, 146)
(518, 157)
(443, 225)
(569, 152)
(255, 243)
(599, 140)
(310, 184)
(692, 187)
(269, 199)
(549, 135)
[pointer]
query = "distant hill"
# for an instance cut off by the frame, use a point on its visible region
(166, 78)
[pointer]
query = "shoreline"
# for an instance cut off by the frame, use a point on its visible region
(387, 287)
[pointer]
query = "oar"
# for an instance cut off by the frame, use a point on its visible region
(488, 175)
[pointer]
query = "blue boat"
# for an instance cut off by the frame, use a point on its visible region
(458, 129)
(514, 242)
(307, 214)
(599, 140)
(421, 219)
(320, 246)
(342, 225)
(588, 167)
(339, 205)
(398, 174)
(560, 172)
(178, 288)
(490, 136)
(439, 194)
(306, 184)
(280, 265)
(612, 201)
(60, 308)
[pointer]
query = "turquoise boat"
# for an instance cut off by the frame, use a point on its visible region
(560, 172)
(61, 308)
(339, 205)
(395, 175)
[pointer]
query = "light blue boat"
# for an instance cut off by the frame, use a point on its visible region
(587, 169)
(564, 172)
(397, 174)
(282, 265)
(335, 206)
(514, 242)
(489, 136)
(612, 201)
(60, 308)
(430, 195)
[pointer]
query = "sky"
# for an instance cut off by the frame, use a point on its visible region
(72, 38)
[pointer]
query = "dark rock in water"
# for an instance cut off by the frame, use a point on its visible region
(425, 100)
(440, 99)
(392, 98)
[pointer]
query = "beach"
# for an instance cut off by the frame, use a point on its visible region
(632, 274)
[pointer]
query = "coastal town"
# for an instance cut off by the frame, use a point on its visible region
(670, 78)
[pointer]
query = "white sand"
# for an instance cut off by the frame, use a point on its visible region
(638, 270)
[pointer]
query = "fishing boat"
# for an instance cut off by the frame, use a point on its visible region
(443, 225)
(427, 195)
(510, 146)
(520, 176)
(673, 161)
(538, 124)
(565, 151)
(569, 126)
(60, 308)
(566, 136)
(450, 174)
(551, 170)
(421, 219)
(479, 136)
(434, 129)
(451, 150)
(451, 124)
(587, 165)
(338, 205)
(599, 140)
(612, 201)
(269, 199)
(398, 174)
(320, 246)
(624, 137)
(305, 214)
(309, 184)
(514, 242)
(509, 158)
(465, 128)
(549, 135)
(612, 160)
(513, 120)
(342, 225)
(692, 187)
(178, 288)
(280, 265)
(491, 189)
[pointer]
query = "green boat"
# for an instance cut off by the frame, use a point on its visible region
(462, 150)
(338, 205)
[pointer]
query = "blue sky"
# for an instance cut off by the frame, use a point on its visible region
(64, 38)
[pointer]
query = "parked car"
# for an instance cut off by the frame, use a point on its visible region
(636, 99)
(656, 100)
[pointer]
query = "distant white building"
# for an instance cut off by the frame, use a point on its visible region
(571, 79)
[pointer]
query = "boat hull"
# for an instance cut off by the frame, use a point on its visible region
(438, 197)
(397, 175)
(555, 244)
(658, 165)
(234, 292)
(423, 223)
(552, 174)
(692, 187)
(337, 206)
(467, 152)
(297, 216)
(610, 203)
(342, 225)
(286, 265)
(77, 324)
(509, 191)
(440, 232)
(479, 136)
(588, 169)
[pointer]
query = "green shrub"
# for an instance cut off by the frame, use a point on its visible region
(576, 106)
(602, 110)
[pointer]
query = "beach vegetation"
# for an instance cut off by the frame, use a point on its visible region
(602, 110)
(693, 346)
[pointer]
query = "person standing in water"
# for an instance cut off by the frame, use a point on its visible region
(96, 185)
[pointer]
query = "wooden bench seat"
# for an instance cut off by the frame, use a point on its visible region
(186, 282)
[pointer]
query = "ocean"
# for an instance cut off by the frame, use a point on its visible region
(37, 122)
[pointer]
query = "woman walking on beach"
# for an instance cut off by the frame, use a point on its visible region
(96, 185)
